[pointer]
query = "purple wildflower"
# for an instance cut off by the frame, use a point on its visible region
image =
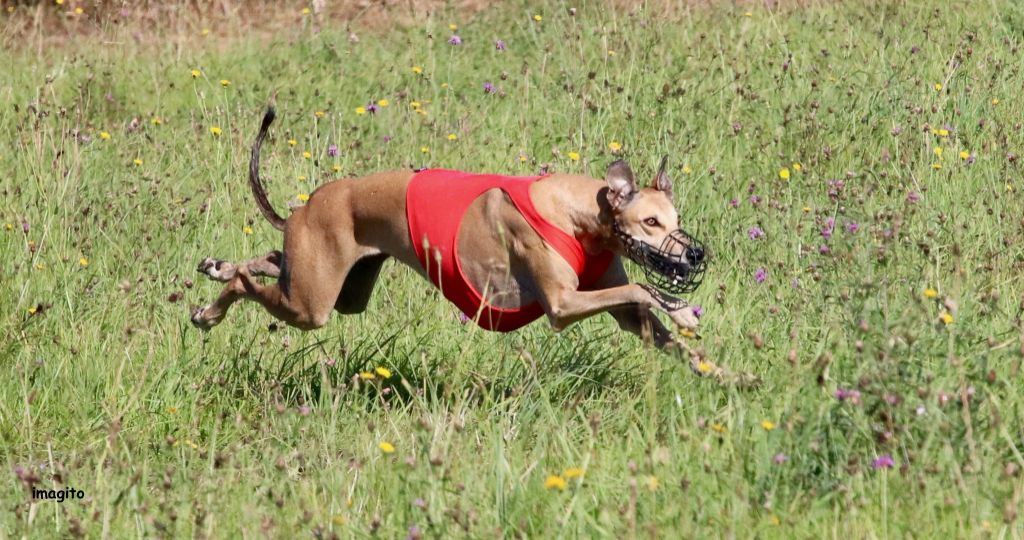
(896, 131)
(330, 362)
(780, 458)
(455, 40)
(24, 226)
(852, 227)
(386, 139)
(463, 318)
(304, 410)
(824, 249)
(372, 108)
(884, 461)
(697, 311)
(913, 197)
(755, 232)
(755, 200)
(830, 226)
(414, 533)
(970, 158)
(332, 150)
(734, 203)
(489, 88)
(760, 275)
(851, 395)
(500, 45)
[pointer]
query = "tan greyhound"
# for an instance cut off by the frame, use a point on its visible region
(334, 247)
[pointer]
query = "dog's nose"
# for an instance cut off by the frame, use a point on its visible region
(694, 255)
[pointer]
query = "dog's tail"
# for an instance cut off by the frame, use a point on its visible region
(254, 175)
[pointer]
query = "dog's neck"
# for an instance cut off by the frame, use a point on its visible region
(580, 206)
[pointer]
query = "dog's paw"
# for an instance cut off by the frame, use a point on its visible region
(685, 318)
(200, 319)
(215, 269)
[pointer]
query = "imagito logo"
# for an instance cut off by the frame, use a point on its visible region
(59, 495)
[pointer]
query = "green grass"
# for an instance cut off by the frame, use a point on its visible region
(171, 432)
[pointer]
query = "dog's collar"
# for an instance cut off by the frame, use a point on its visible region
(676, 266)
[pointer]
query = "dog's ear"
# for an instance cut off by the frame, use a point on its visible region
(661, 180)
(621, 186)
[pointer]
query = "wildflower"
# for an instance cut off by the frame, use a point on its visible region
(463, 318)
(784, 173)
(489, 88)
(338, 519)
(367, 375)
(748, 14)
(215, 131)
(797, 166)
(383, 102)
(302, 197)
(196, 73)
(883, 462)
(455, 40)
(755, 200)
(930, 293)
(853, 396)
(652, 483)
(995, 101)
(704, 367)
(156, 121)
(852, 227)
(938, 151)
(104, 135)
(719, 428)
(372, 108)
(247, 230)
(453, 27)
(83, 262)
(383, 372)
(292, 142)
(614, 146)
(306, 154)
(301, 178)
(386, 447)
(942, 132)
(555, 481)
(304, 410)
(574, 156)
(336, 168)
(760, 275)
(768, 425)
(734, 203)
(306, 11)
(896, 130)
(415, 104)
(538, 18)
(499, 45)
(687, 169)
(417, 70)
(913, 197)
(755, 232)
(936, 166)
(697, 310)
(225, 83)
(807, 209)
(8, 226)
(946, 318)
(137, 162)
(573, 472)
(938, 87)
(780, 458)
(424, 150)
(360, 110)
(824, 249)
(964, 154)
(452, 136)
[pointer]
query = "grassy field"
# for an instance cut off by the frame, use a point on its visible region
(855, 168)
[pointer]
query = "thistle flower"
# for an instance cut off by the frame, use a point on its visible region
(755, 232)
(499, 44)
(489, 88)
(332, 150)
(760, 275)
(455, 40)
(884, 461)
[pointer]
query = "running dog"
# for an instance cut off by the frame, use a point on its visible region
(504, 250)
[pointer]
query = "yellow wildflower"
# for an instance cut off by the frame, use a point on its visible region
(453, 27)
(573, 472)
(367, 375)
(338, 519)
(704, 367)
(936, 166)
(807, 209)
(196, 73)
(555, 481)
(748, 14)
(452, 136)
(156, 121)
(8, 226)
(306, 11)
(32, 310)
(302, 197)
(247, 229)
(768, 425)
(383, 372)
(995, 101)
(425, 149)
(615, 146)
(336, 168)
(946, 318)
(797, 166)
(575, 156)
(386, 447)
(319, 114)
(938, 151)
(719, 428)
(964, 154)
(79, 11)
(687, 333)
(360, 110)
(301, 178)
(930, 293)
(292, 142)
(938, 87)
(215, 131)
(652, 483)
(383, 102)
(104, 135)
(942, 132)
(415, 104)
(687, 169)
(137, 162)
(784, 173)
(307, 154)
(83, 262)
(538, 18)
(417, 70)
(225, 83)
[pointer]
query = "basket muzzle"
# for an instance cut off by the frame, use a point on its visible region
(676, 266)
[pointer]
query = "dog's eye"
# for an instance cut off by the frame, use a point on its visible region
(651, 222)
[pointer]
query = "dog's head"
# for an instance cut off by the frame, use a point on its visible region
(646, 224)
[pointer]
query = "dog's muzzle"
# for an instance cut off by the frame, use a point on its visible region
(676, 266)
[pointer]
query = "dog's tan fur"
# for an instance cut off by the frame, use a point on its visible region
(334, 247)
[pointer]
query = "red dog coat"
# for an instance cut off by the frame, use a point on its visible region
(435, 203)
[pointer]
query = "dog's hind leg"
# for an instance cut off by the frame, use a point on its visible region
(268, 265)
